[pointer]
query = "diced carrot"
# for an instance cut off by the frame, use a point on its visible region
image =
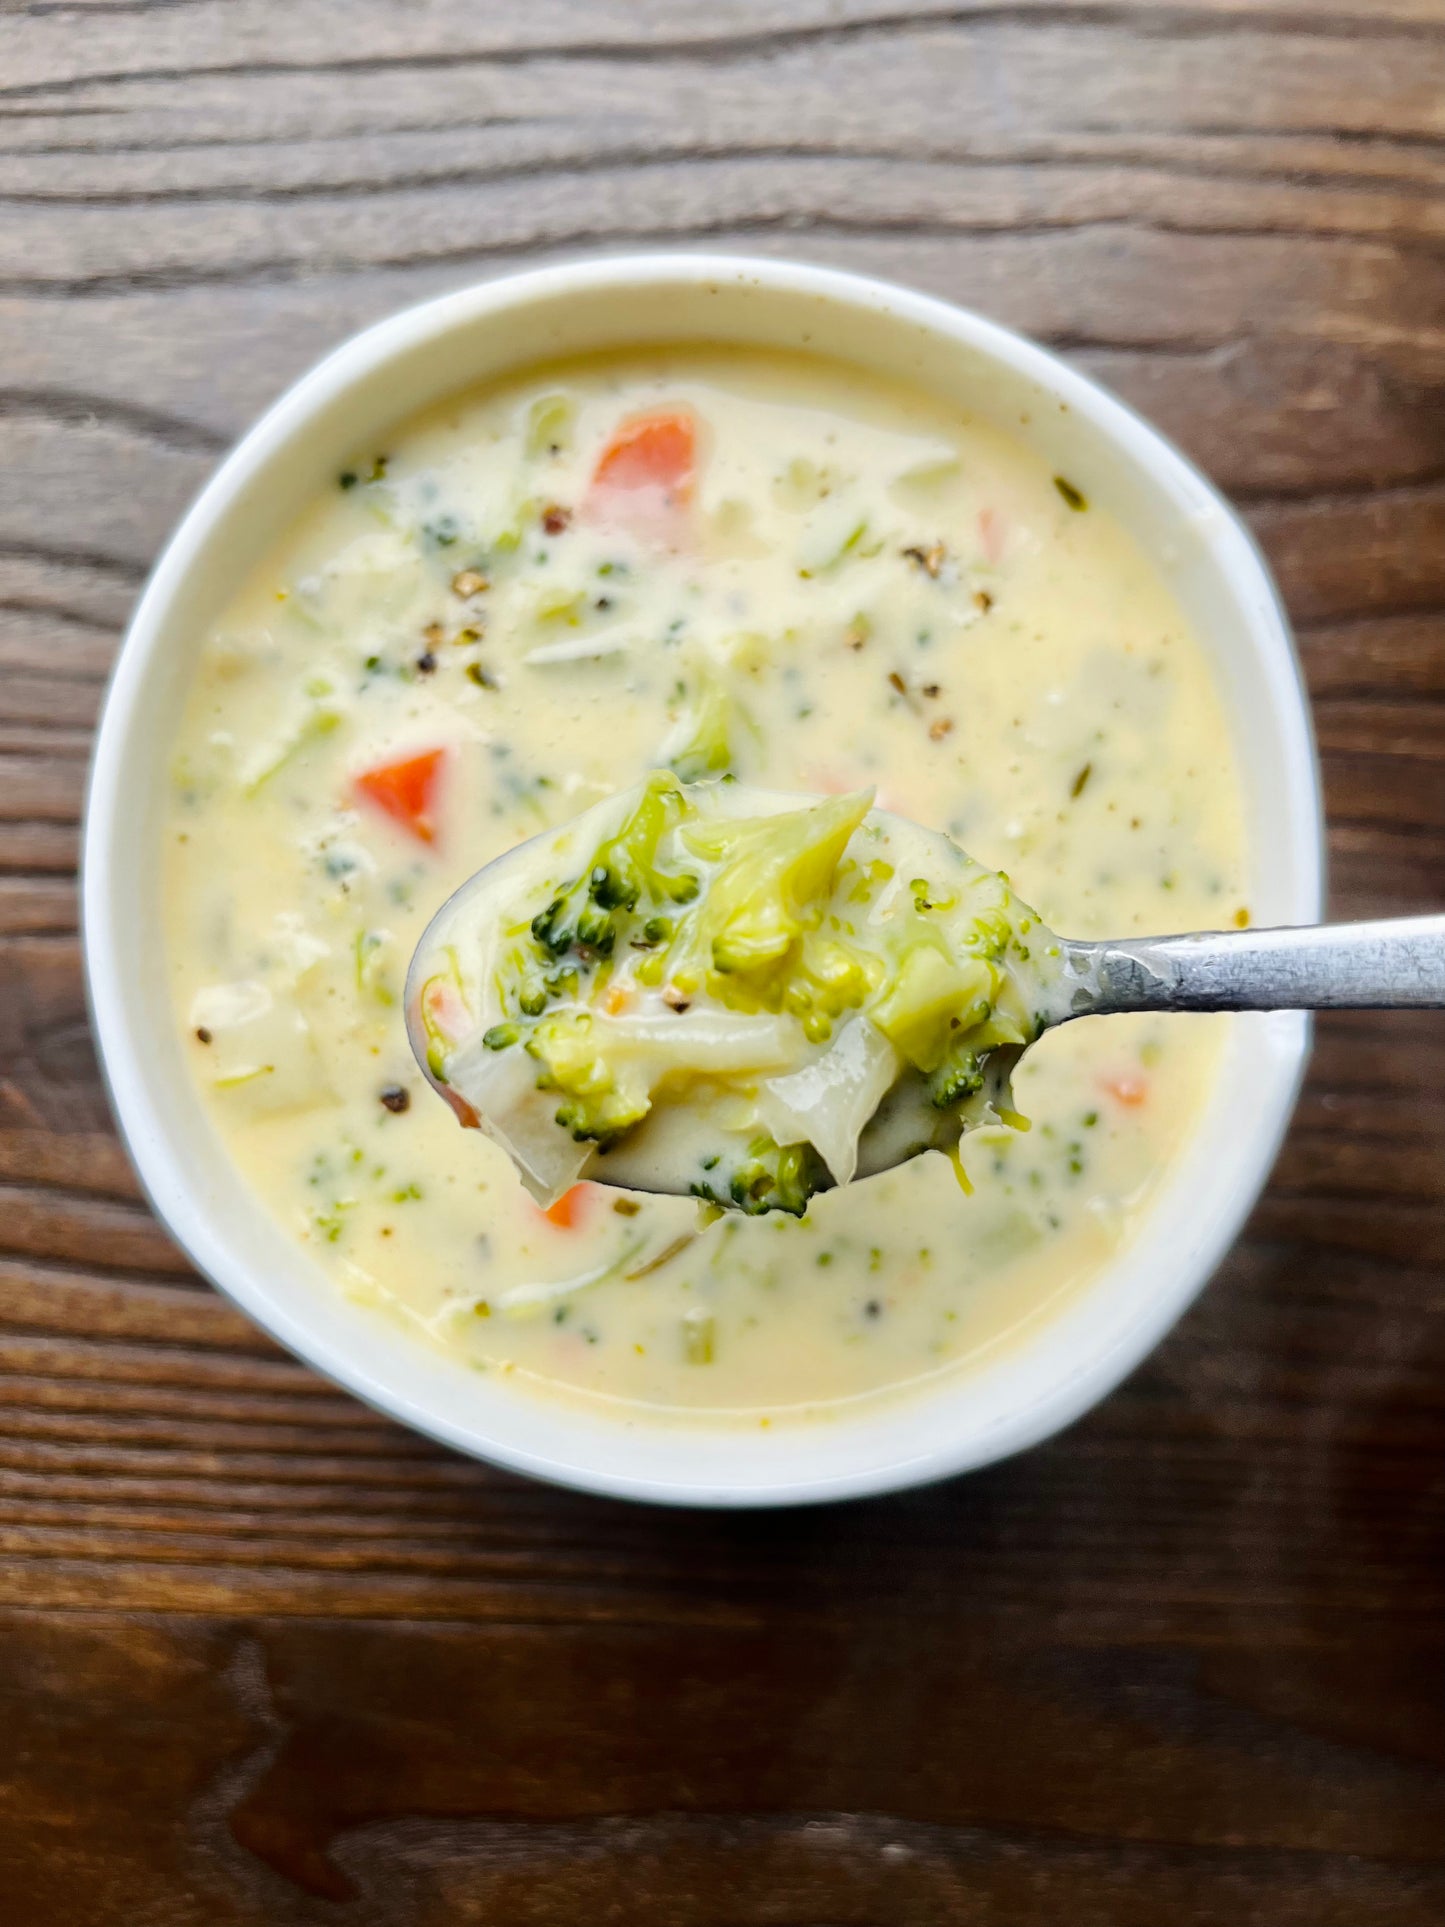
(442, 1007)
(406, 791)
(644, 476)
(991, 534)
(1130, 1088)
(822, 780)
(445, 1017)
(466, 1115)
(657, 450)
(568, 1211)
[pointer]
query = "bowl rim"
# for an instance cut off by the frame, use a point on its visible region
(120, 1049)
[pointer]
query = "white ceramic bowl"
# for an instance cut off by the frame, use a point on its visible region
(979, 1414)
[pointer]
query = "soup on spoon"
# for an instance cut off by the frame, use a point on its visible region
(750, 997)
(729, 992)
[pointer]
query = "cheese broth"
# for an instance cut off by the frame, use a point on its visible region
(888, 593)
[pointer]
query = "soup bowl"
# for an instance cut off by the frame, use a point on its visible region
(984, 1408)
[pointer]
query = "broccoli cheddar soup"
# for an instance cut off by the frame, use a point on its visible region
(703, 565)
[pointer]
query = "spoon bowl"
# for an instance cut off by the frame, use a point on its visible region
(1384, 965)
(660, 1156)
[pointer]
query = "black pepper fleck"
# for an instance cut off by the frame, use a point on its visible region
(396, 1098)
(203, 1036)
(930, 560)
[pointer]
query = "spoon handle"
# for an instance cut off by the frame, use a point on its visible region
(1398, 965)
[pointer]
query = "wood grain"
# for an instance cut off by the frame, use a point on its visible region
(267, 1658)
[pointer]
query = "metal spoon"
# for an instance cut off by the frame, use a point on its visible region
(1393, 965)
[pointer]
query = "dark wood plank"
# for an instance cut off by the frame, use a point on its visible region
(264, 1657)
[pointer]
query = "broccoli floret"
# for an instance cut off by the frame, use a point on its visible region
(773, 1177)
(958, 1077)
(976, 1054)
(576, 920)
(528, 983)
(992, 932)
(824, 979)
(753, 941)
(600, 1099)
(624, 871)
(934, 1000)
(946, 1016)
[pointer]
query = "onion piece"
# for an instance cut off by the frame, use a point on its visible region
(581, 649)
(501, 1087)
(699, 1042)
(829, 1101)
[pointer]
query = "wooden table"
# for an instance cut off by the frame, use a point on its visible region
(267, 1658)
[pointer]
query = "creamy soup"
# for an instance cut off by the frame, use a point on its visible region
(729, 564)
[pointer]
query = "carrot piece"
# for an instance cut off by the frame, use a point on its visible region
(406, 791)
(991, 534)
(824, 780)
(444, 1018)
(442, 1008)
(1128, 1087)
(644, 476)
(466, 1115)
(567, 1212)
(657, 450)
